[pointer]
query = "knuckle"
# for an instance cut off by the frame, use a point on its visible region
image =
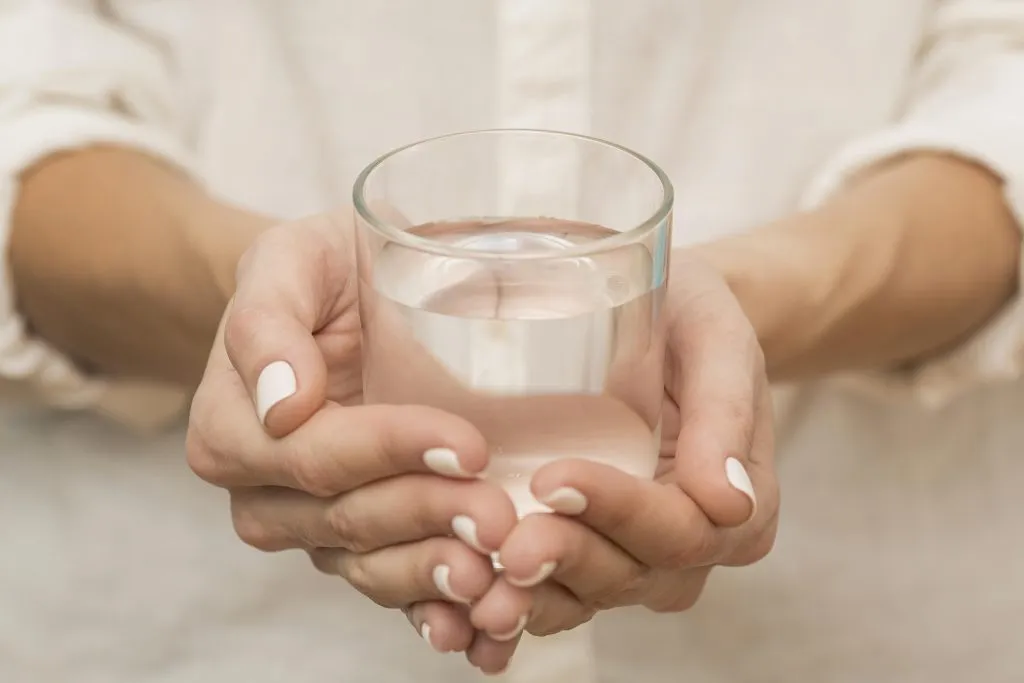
(212, 438)
(686, 554)
(353, 569)
(203, 460)
(680, 602)
(681, 592)
(322, 561)
(757, 549)
(633, 579)
(242, 326)
(309, 472)
(605, 601)
(762, 548)
(542, 629)
(549, 625)
(345, 529)
(622, 590)
(251, 530)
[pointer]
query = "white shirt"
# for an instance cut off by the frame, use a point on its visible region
(900, 554)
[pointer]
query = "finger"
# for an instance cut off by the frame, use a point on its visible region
(502, 613)
(489, 655)
(556, 609)
(595, 570)
(716, 376)
(657, 524)
(675, 591)
(392, 511)
(292, 281)
(397, 576)
(338, 449)
(507, 610)
(445, 627)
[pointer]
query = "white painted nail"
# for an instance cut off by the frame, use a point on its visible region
(465, 528)
(566, 501)
(442, 579)
(444, 461)
(544, 572)
(275, 383)
(514, 633)
(425, 634)
(740, 480)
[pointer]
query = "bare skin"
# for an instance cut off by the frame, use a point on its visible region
(127, 266)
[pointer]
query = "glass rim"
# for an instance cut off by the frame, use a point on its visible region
(396, 234)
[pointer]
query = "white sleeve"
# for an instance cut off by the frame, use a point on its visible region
(71, 78)
(967, 99)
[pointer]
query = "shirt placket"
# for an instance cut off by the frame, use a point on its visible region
(543, 82)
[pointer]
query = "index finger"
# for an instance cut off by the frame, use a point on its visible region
(336, 450)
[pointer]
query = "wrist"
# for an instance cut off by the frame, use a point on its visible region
(910, 260)
(219, 234)
(794, 279)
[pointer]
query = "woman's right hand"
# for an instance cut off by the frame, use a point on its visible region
(373, 493)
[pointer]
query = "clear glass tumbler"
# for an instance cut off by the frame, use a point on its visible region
(516, 278)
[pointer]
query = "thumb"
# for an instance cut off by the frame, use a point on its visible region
(290, 283)
(716, 379)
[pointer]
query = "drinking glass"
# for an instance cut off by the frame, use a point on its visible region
(516, 278)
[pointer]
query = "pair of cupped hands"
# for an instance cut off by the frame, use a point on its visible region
(392, 498)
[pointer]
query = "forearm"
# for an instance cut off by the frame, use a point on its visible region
(904, 264)
(123, 263)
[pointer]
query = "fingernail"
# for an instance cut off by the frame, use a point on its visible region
(513, 634)
(496, 562)
(740, 480)
(442, 579)
(544, 572)
(566, 501)
(425, 634)
(465, 528)
(275, 383)
(445, 462)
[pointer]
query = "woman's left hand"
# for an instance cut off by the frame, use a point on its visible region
(619, 540)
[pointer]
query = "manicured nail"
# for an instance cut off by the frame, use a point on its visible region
(514, 633)
(496, 562)
(425, 634)
(740, 480)
(465, 528)
(442, 579)
(544, 572)
(275, 383)
(566, 501)
(445, 462)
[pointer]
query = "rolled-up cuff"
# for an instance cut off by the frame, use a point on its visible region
(26, 139)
